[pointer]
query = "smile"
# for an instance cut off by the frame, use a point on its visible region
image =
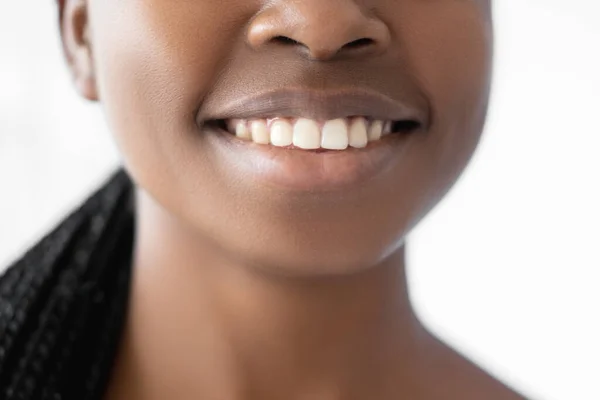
(308, 134)
(313, 140)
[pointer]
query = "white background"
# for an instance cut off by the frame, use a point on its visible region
(506, 268)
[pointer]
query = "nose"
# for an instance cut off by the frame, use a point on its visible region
(322, 29)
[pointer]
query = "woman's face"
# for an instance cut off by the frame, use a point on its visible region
(174, 75)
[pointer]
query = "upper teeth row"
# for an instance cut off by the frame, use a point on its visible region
(337, 134)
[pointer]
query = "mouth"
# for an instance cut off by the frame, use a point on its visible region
(313, 141)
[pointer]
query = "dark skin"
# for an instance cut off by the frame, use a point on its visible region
(283, 280)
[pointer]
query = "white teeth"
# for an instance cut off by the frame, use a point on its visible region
(307, 134)
(375, 130)
(281, 133)
(242, 131)
(357, 134)
(260, 132)
(335, 135)
(387, 128)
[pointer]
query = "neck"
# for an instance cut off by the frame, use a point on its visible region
(205, 324)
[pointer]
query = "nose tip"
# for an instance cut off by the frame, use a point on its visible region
(322, 29)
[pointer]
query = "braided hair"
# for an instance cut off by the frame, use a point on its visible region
(63, 305)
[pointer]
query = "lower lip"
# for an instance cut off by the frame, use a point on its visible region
(301, 170)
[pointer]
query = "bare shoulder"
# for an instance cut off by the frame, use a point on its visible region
(448, 375)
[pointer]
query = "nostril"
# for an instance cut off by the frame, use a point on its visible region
(356, 44)
(285, 41)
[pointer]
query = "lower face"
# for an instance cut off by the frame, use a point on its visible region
(301, 163)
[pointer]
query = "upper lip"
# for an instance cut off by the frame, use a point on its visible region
(319, 105)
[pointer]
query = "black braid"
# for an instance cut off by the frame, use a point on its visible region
(63, 305)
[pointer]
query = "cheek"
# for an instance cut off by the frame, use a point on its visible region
(449, 45)
(155, 60)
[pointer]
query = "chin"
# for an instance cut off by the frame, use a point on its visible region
(329, 258)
